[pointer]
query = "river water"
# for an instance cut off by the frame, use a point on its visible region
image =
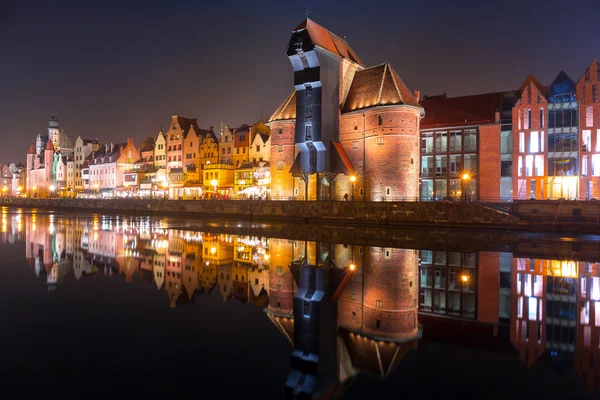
(96, 305)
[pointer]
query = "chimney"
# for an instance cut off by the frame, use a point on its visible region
(418, 95)
(107, 147)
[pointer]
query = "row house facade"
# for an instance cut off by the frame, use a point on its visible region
(107, 171)
(556, 139)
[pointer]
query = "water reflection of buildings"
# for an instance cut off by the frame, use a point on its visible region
(556, 306)
(544, 293)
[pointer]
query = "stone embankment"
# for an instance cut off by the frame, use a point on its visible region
(557, 216)
(347, 212)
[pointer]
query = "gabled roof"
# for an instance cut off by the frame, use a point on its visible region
(286, 111)
(532, 79)
(242, 129)
(377, 86)
(328, 41)
(186, 123)
(477, 109)
(148, 147)
(595, 60)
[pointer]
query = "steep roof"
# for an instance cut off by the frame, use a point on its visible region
(562, 84)
(595, 60)
(287, 109)
(328, 41)
(49, 145)
(464, 110)
(31, 149)
(532, 79)
(377, 86)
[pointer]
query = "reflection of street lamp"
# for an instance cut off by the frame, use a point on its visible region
(353, 180)
(463, 181)
(34, 189)
(4, 190)
(52, 189)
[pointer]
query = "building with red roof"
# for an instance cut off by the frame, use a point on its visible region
(338, 134)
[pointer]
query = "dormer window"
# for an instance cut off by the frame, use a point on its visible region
(174, 126)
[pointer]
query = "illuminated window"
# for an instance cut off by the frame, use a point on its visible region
(521, 142)
(378, 303)
(360, 163)
(388, 191)
(280, 149)
(355, 145)
(534, 142)
(380, 140)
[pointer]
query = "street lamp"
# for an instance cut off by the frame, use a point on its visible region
(353, 180)
(352, 267)
(463, 181)
(165, 186)
(214, 183)
(52, 189)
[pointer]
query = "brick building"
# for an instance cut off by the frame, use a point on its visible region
(588, 88)
(349, 121)
(465, 147)
(283, 149)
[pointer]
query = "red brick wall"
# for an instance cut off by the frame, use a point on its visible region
(521, 107)
(488, 286)
(489, 162)
(584, 103)
(281, 180)
(393, 164)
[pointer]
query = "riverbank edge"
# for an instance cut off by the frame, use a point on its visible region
(167, 207)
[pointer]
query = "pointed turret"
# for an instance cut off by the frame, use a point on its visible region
(31, 149)
(49, 146)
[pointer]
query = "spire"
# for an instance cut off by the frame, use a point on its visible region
(31, 149)
(49, 146)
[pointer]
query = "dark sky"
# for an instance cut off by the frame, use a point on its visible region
(117, 69)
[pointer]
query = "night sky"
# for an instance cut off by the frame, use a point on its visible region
(117, 69)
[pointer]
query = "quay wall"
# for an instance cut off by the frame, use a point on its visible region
(375, 213)
(555, 216)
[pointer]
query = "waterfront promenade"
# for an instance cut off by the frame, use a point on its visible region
(567, 216)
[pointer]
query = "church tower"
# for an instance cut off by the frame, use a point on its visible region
(54, 131)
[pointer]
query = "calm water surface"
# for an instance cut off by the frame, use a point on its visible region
(101, 305)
